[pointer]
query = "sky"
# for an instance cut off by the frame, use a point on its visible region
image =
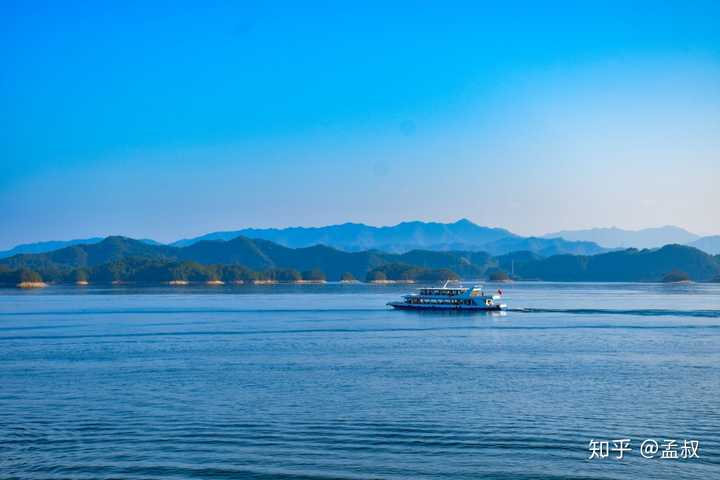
(167, 120)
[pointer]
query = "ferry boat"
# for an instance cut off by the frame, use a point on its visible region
(450, 298)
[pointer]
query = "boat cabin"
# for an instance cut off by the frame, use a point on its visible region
(442, 291)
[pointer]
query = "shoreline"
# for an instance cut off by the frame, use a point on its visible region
(237, 283)
(392, 282)
(28, 285)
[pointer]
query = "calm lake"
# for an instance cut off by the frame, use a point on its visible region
(323, 381)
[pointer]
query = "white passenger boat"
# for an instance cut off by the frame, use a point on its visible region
(451, 298)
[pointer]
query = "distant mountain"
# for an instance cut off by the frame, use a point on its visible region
(618, 238)
(120, 257)
(262, 254)
(709, 244)
(353, 237)
(42, 247)
(542, 246)
(462, 235)
(629, 265)
(89, 255)
(507, 262)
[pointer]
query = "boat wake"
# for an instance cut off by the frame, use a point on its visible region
(643, 313)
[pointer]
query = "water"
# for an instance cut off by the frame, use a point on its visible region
(324, 382)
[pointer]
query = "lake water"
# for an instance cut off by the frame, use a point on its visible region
(321, 382)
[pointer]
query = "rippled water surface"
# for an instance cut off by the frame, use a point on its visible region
(326, 382)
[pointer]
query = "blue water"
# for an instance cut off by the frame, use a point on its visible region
(323, 382)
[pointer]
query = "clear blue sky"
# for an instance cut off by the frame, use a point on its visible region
(171, 119)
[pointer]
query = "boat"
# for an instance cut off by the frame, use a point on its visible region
(450, 298)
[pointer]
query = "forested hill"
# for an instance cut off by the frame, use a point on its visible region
(263, 255)
(629, 265)
(256, 255)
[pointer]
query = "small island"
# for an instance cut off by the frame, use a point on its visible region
(314, 276)
(676, 276)
(348, 277)
(498, 275)
(21, 278)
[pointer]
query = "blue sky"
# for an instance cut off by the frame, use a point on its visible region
(170, 120)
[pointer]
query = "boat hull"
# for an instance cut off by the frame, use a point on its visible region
(476, 308)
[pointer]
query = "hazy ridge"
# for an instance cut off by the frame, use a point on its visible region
(461, 235)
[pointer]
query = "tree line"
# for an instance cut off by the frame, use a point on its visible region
(140, 270)
(402, 272)
(144, 270)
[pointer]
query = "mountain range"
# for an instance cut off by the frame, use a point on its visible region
(406, 236)
(262, 255)
(357, 236)
(630, 265)
(614, 237)
(255, 254)
(462, 235)
(49, 246)
(41, 247)
(709, 244)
